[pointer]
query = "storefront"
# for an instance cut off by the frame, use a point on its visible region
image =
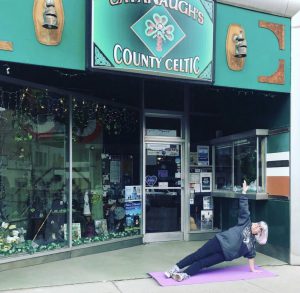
(151, 142)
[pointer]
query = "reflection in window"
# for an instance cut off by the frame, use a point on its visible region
(163, 210)
(223, 167)
(33, 166)
(245, 163)
(248, 163)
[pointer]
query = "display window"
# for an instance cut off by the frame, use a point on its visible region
(106, 190)
(241, 157)
(33, 170)
(40, 208)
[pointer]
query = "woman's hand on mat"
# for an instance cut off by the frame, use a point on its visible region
(252, 266)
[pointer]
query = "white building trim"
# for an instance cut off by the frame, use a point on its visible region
(279, 171)
(286, 8)
(281, 156)
(295, 143)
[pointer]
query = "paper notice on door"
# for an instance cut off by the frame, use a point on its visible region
(197, 187)
(163, 184)
(194, 177)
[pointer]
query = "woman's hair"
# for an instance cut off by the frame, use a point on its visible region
(262, 237)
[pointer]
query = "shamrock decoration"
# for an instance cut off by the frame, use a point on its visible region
(159, 29)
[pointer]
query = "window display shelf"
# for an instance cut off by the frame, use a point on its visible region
(231, 194)
(14, 220)
(201, 167)
(202, 235)
(205, 231)
(132, 200)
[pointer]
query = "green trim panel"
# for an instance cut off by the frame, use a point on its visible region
(263, 52)
(275, 212)
(16, 25)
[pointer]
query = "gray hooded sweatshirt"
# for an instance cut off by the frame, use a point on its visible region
(238, 241)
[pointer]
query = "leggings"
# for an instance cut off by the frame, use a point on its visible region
(208, 255)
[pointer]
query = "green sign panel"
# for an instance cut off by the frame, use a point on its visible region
(159, 37)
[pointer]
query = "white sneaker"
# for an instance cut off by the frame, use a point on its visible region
(180, 276)
(171, 271)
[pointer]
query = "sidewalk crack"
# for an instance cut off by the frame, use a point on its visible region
(116, 286)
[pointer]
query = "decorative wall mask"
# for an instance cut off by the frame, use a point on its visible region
(48, 17)
(278, 30)
(240, 45)
(236, 47)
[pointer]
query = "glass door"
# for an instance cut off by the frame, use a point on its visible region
(163, 190)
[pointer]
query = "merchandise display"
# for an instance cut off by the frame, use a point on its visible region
(201, 200)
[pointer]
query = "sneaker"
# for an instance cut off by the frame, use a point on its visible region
(180, 276)
(171, 271)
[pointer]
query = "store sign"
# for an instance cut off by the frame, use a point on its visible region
(159, 37)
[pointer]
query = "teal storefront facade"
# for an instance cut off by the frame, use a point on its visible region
(103, 119)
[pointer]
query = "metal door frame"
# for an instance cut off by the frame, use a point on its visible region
(165, 236)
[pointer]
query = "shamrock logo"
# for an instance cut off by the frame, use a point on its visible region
(160, 30)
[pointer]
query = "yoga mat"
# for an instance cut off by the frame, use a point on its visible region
(231, 273)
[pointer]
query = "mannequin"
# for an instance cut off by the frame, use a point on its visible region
(86, 207)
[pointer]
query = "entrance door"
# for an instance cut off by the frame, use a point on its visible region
(163, 191)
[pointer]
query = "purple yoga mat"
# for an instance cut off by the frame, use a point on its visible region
(231, 273)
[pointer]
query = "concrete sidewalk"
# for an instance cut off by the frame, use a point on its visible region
(126, 270)
(287, 282)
